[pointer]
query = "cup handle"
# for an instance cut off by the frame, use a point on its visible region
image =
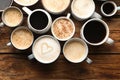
(118, 8)
(110, 41)
(1, 24)
(9, 44)
(27, 10)
(68, 15)
(96, 15)
(31, 56)
(88, 60)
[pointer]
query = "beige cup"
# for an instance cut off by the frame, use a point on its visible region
(75, 50)
(46, 49)
(63, 28)
(12, 17)
(21, 38)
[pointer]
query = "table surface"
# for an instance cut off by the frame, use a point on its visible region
(14, 64)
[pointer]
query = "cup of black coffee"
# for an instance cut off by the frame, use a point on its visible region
(109, 8)
(96, 32)
(39, 20)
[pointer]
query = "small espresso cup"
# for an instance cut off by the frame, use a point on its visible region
(96, 32)
(63, 28)
(55, 6)
(21, 38)
(39, 20)
(46, 49)
(75, 50)
(84, 9)
(109, 8)
(26, 2)
(12, 17)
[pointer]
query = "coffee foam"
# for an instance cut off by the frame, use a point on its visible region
(74, 51)
(83, 8)
(46, 50)
(22, 38)
(55, 5)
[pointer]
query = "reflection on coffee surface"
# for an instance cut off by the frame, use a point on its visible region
(39, 20)
(46, 49)
(74, 51)
(94, 31)
(12, 17)
(108, 8)
(22, 38)
(63, 28)
(4, 4)
(55, 5)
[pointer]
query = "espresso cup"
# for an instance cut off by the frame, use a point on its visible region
(84, 9)
(75, 50)
(63, 28)
(109, 8)
(4, 4)
(39, 20)
(26, 2)
(46, 49)
(21, 38)
(55, 6)
(12, 17)
(96, 32)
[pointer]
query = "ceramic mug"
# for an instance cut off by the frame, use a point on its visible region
(96, 32)
(109, 8)
(39, 20)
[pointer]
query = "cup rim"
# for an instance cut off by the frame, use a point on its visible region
(81, 41)
(21, 27)
(8, 6)
(79, 17)
(24, 4)
(73, 25)
(111, 14)
(48, 16)
(101, 42)
(52, 12)
(11, 7)
(40, 37)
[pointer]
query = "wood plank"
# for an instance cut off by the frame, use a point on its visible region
(18, 67)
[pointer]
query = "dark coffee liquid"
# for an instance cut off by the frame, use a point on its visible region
(38, 20)
(4, 4)
(94, 32)
(108, 8)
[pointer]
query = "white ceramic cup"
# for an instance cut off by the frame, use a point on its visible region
(29, 12)
(26, 2)
(112, 12)
(85, 54)
(3, 18)
(64, 18)
(76, 10)
(49, 57)
(55, 6)
(106, 38)
(11, 43)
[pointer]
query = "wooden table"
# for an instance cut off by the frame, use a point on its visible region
(14, 64)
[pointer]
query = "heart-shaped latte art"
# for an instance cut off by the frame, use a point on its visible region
(45, 48)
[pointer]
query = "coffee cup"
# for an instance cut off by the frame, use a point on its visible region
(55, 6)
(96, 32)
(63, 28)
(75, 50)
(46, 49)
(21, 38)
(109, 8)
(39, 20)
(12, 17)
(84, 9)
(4, 4)
(26, 2)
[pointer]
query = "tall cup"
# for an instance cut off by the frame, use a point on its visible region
(39, 20)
